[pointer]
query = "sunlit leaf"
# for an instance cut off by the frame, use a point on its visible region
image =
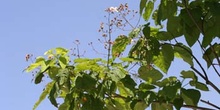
(140, 106)
(184, 53)
(148, 10)
(163, 61)
(145, 86)
(166, 9)
(166, 81)
(119, 45)
(134, 33)
(124, 91)
(142, 6)
(161, 106)
(53, 71)
(39, 61)
(149, 74)
(61, 51)
(126, 59)
(63, 61)
(44, 94)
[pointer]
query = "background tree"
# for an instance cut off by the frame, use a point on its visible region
(109, 83)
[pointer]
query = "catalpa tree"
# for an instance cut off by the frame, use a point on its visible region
(134, 75)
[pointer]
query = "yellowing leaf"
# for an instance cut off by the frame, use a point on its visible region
(44, 94)
(39, 61)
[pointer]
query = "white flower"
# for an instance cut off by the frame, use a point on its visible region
(112, 9)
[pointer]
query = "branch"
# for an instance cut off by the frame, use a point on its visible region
(211, 104)
(185, 106)
(201, 30)
(197, 61)
(109, 41)
(207, 81)
(199, 73)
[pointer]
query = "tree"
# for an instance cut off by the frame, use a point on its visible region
(99, 83)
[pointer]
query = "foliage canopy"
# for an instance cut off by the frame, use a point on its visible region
(107, 84)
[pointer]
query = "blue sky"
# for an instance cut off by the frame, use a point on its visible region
(34, 26)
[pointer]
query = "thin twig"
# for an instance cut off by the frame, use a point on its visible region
(109, 40)
(211, 104)
(207, 81)
(190, 15)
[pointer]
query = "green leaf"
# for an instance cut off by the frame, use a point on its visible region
(191, 31)
(140, 106)
(177, 29)
(49, 52)
(39, 61)
(178, 103)
(166, 81)
(38, 77)
(189, 74)
(199, 85)
(148, 10)
(127, 59)
(184, 52)
(147, 96)
(210, 54)
(85, 82)
(128, 82)
(124, 91)
(170, 91)
(61, 51)
(44, 94)
(53, 71)
(161, 106)
(191, 34)
(163, 61)
(52, 95)
(190, 96)
(119, 45)
(146, 30)
(145, 87)
(142, 6)
(64, 106)
(134, 33)
(63, 61)
(163, 35)
(149, 74)
(92, 103)
(202, 86)
(167, 8)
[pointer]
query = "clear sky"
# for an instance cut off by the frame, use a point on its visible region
(34, 26)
